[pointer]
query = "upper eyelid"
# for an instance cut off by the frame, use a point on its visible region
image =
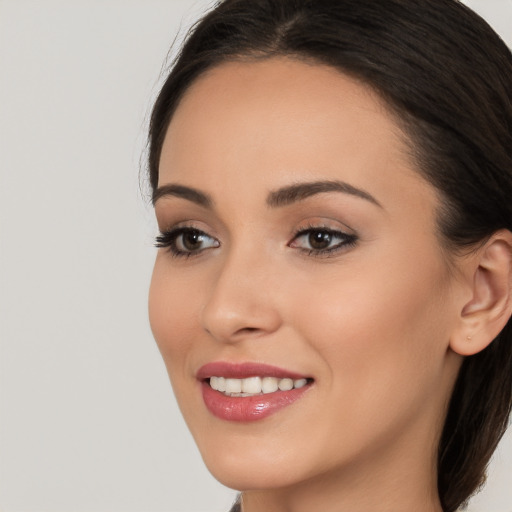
(326, 224)
(336, 232)
(313, 226)
(178, 230)
(171, 227)
(305, 231)
(322, 227)
(334, 226)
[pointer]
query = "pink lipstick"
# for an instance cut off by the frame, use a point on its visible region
(249, 391)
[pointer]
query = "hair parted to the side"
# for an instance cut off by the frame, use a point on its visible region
(448, 77)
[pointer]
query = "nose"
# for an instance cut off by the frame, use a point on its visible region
(240, 303)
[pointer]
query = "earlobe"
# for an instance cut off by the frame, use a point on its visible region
(487, 312)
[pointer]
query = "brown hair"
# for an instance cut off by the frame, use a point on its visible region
(448, 77)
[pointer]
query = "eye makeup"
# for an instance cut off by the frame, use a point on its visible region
(315, 240)
(321, 241)
(185, 241)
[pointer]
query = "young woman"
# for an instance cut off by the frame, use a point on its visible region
(332, 293)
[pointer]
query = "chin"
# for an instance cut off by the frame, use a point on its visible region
(261, 466)
(244, 476)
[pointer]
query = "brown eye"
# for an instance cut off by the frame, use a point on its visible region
(320, 239)
(185, 242)
(190, 241)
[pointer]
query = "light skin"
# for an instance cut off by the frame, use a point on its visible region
(381, 323)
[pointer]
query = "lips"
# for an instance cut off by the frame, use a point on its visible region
(249, 391)
(244, 370)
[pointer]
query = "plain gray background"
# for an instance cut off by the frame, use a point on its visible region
(87, 418)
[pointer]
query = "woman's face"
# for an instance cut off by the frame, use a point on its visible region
(299, 242)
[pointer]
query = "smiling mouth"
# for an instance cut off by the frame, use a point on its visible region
(255, 386)
(247, 392)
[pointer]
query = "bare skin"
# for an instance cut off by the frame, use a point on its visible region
(377, 317)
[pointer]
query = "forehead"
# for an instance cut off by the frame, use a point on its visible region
(281, 119)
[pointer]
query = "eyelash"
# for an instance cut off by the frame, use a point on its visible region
(347, 241)
(168, 239)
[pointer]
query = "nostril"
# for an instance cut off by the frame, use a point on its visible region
(247, 330)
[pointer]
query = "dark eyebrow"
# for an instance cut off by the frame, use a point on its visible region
(281, 197)
(191, 194)
(293, 193)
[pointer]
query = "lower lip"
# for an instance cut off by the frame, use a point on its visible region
(248, 408)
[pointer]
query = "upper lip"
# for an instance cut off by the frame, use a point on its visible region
(244, 370)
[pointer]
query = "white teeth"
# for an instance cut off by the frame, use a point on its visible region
(218, 383)
(269, 384)
(251, 385)
(233, 386)
(285, 384)
(254, 385)
(299, 383)
(221, 384)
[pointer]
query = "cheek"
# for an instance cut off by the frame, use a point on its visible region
(172, 314)
(382, 359)
(381, 332)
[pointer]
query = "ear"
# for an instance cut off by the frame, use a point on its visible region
(489, 274)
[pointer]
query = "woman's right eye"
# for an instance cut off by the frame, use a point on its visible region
(185, 242)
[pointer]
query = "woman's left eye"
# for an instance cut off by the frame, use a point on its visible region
(322, 241)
